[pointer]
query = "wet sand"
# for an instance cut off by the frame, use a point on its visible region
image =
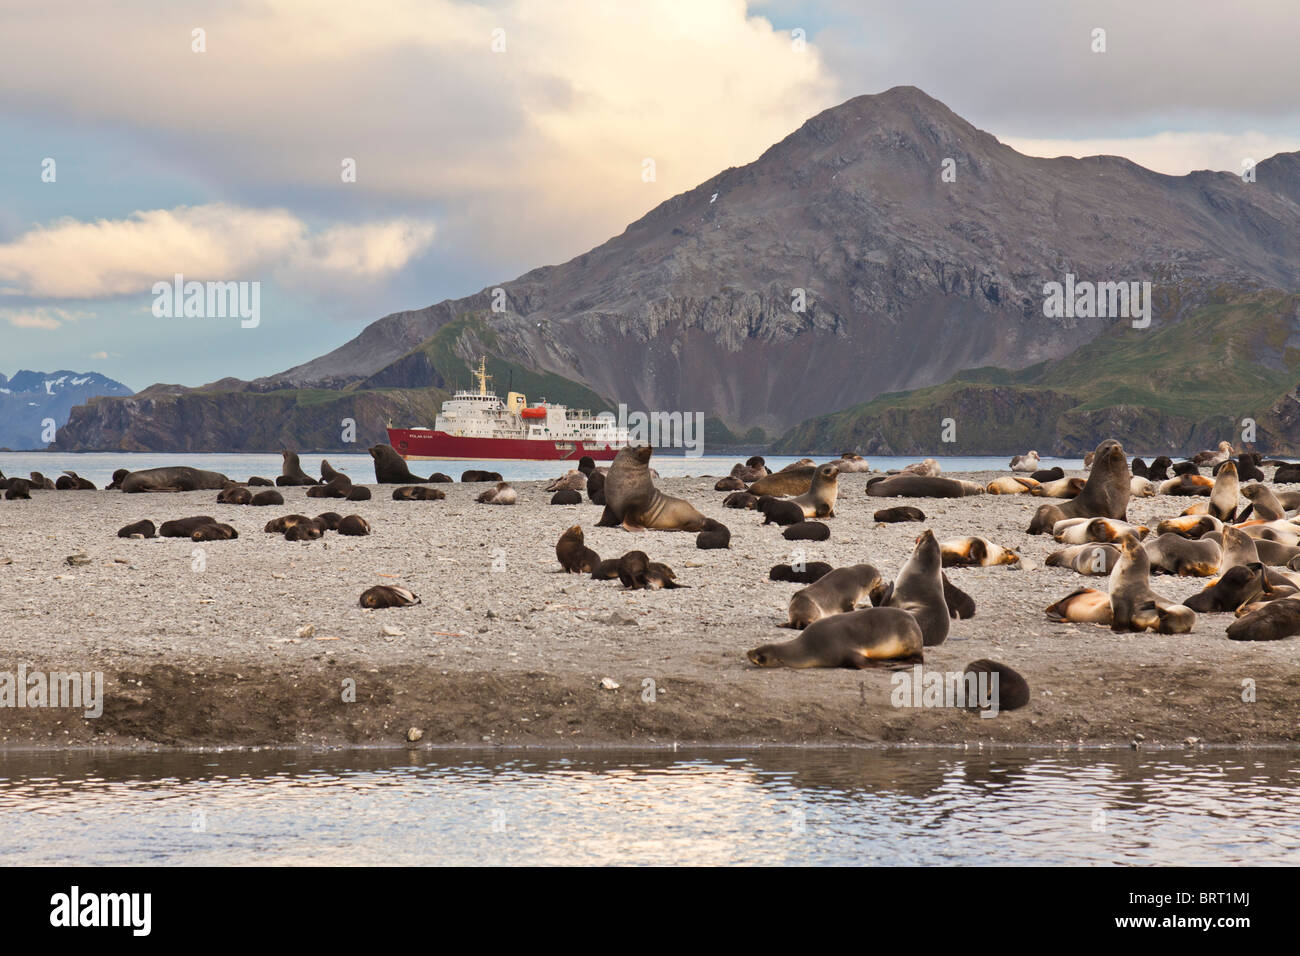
(507, 650)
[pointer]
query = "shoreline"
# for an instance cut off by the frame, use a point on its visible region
(490, 662)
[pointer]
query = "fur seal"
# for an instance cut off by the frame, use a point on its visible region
(1010, 485)
(257, 481)
(1048, 474)
(1012, 689)
(1158, 470)
(740, 499)
(354, 525)
(390, 467)
(729, 484)
(306, 531)
(1138, 467)
(1225, 492)
(819, 501)
(1238, 586)
(714, 536)
(1025, 463)
(1081, 606)
(441, 479)
(566, 496)
(1058, 488)
(474, 475)
(573, 554)
(502, 494)
(268, 497)
(184, 527)
(569, 481)
(901, 513)
(328, 473)
(71, 481)
(789, 481)
(1090, 559)
(1085, 530)
(1133, 605)
(919, 589)
(632, 499)
(1238, 548)
(1186, 469)
(1189, 526)
(918, 486)
(118, 475)
(1271, 622)
(596, 488)
(1287, 474)
(328, 521)
(385, 595)
(1248, 467)
(1141, 488)
(234, 495)
(1174, 554)
(283, 523)
(175, 478)
(606, 570)
(806, 531)
(807, 573)
(359, 493)
(19, 489)
(216, 531)
(835, 592)
(870, 637)
(291, 473)
(1275, 553)
(779, 510)
(960, 604)
(586, 464)
(335, 488)
(975, 553)
(752, 470)
(1263, 502)
(418, 493)
(40, 482)
(144, 529)
(638, 573)
(1105, 494)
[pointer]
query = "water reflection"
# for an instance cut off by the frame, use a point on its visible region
(704, 807)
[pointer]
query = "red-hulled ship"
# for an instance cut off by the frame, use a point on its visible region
(477, 425)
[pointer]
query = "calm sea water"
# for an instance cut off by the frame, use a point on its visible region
(786, 806)
(99, 466)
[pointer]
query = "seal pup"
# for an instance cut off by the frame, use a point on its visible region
(40, 482)
(586, 465)
(334, 488)
(144, 529)
(19, 489)
(566, 496)
(901, 513)
(71, 481)
(740, 499)
(1186, 469)
(1158, 470)
(917, 486)
(285, 522)
(1174, 554)
(291, 473)
(418, 493)
(118, 475)
(596, 488)
(805, 574)
(850, 463)
(1026, 463)
(258, 481)
(714, 536)
(329, 473)
(174, 478)
(1236, 587)
(729, 484)
(779, 511)
(234, 495)
(960, 604)
(919, 589)
(328, 521)
(1238, 548)
(1010, 692)
(268, 497)
(1105, 494)
(806, 531)
(631, 498)
(502, 494)
(752, 470)
(1141, 488)
(474, 475)
(390, 467)
(638, 573)
(835, 592)
(819, 501)
(305, 531)
(1089, 559)
(1287, 474)
(975, 553)
(1138, 467)
(606, 570)
(1084, 530)
(1263, 502)
(184, 527)
(354, 525)
(1055, 473)
(1133, 605)
(1189, 526)
(573, 554)
(359, 493)
(216, 531)
(386, 595)
(1081, 606)
(870, 637)
(1271, 622)
(1248, 467)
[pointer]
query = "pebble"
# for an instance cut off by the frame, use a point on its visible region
(609, 683)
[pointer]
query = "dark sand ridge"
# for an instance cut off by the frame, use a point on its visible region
(517, 656)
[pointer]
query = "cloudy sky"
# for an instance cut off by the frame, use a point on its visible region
(489, 138)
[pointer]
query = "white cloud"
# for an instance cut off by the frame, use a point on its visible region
(70, 259)
(40, 317)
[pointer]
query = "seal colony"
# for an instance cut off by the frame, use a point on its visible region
(961, 568)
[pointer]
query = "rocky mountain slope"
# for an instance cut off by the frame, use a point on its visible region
(29, 399)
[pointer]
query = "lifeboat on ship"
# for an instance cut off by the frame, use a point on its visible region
(532, 414)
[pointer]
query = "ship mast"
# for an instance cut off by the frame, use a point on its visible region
(481, 374)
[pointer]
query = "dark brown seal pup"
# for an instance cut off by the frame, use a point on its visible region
(1158, 470)
(871, 637)
(606, 570)
(1238, 586)
(919, 589)
(566, 496)
(1271, 622)
(19, 488)
(901, 513)
(175, 478)
(328, 521)
(596, 488)
(806, 574)
(960, 604)
(268, 497)
(751, 470)
(184, 527)
(354, 525)
(918, 486)
(1012, 691)
(337, 488)
(305, 531)
(714, 536)
(1138, 467)
(1105, 494)
(729, 484)
(632, 499)
(779, 511)
(71, 481)
(143, 528)
(40, 482)
(806, 531)
(573, 554)
(116, 483)
(329, 473)
(439, 478)
(418, 493)
(285, 522)
(390, 467)
(359, 493)
(234, 495)
(840, 590)
(474, 475)
(1049, 474)
(291, 472)
(586, 465)
(1287, 474)
(257, 482)
(214, 532)
(740, 499)
(385, 595)
(638, 572)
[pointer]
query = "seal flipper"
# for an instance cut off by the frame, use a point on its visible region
(960, 604)
(607, 519)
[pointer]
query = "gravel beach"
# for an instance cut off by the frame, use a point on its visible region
(256, 641)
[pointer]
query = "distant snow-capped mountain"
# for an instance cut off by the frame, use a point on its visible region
(29, 398)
